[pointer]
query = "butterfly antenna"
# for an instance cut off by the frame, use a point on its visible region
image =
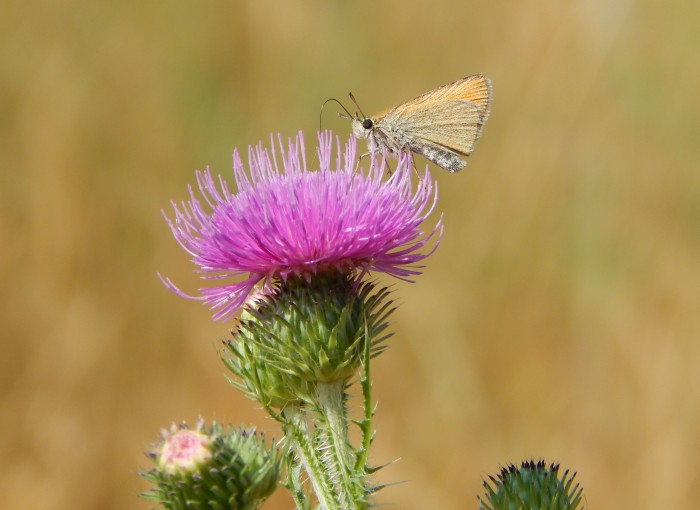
(320, 116)
(358, 106)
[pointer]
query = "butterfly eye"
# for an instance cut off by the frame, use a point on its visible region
(367, 123)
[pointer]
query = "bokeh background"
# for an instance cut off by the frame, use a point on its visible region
(560, 317)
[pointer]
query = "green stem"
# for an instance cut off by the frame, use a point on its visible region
(366, 424)
(337, 454)
(297, 434)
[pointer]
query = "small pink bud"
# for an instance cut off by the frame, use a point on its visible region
(184, 450)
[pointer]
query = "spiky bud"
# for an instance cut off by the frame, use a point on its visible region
(215, 468)
(306, 331)
(532, 486)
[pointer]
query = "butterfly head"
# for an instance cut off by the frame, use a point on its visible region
(362, 128)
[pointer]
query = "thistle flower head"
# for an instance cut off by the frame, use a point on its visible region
(300, 222)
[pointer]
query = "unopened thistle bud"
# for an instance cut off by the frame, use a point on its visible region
(215, 468)
(532, 486)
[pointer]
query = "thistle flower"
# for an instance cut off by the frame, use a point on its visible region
(212, 468)
(301, 222)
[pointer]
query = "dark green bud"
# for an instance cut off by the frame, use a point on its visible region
(532, 486)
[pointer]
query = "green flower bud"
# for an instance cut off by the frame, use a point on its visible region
(213, 469)
(306, 331)
(533, 486)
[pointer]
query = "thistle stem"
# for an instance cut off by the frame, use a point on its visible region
(300, 442)
(338, 456)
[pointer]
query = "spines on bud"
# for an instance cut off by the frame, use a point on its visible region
(212, 468)
(532, 485)
(308, 330)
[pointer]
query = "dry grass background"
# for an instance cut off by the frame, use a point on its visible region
(559, 318)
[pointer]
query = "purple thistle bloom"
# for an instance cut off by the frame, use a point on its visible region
(301, 222)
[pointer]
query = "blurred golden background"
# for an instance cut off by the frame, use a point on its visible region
(560, 317)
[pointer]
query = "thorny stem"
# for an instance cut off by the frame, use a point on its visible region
(297, 434)
(337, 456)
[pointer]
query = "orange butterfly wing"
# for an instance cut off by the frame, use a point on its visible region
(451, 116)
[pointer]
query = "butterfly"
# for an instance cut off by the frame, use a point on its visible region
(441, 125)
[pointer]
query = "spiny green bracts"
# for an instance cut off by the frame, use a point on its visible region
(304, 332)
(533, 486)
(223, 469)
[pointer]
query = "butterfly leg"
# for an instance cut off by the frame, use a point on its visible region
(388, 168)
(369, 153)
(359, 160)
(413, 162)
